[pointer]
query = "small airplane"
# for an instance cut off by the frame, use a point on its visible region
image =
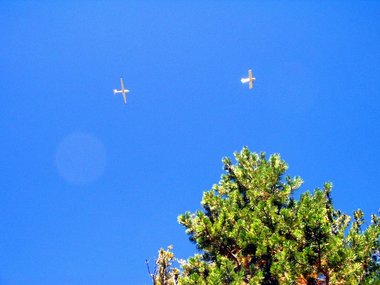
(122, 91)
(249, 79)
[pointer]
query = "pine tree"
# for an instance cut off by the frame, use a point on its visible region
(164, 273)
(252, 231)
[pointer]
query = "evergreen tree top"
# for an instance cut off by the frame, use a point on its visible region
(252, 231)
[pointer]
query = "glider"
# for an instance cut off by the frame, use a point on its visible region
(122, 91)
(250, 79)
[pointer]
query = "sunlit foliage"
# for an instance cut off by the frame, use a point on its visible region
(252, 231)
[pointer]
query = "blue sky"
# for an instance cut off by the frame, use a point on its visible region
(91, 187)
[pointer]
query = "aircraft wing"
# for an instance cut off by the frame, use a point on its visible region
(122, 84)
(250, 76)
(125, 98)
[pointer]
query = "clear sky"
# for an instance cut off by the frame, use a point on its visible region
(91, 187)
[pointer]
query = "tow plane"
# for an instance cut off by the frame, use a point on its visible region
(122, 90)
(250, 79)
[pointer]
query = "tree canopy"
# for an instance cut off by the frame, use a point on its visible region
(252, 230)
